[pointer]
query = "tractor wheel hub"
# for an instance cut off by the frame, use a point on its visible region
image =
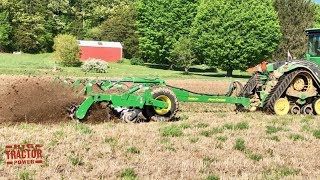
(282, 106)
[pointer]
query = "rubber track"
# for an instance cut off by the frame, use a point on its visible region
(249, 86)
(279, 89)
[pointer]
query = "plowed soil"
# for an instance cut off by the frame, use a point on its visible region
(34, 100)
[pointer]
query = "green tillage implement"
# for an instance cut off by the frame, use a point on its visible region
(150, 97)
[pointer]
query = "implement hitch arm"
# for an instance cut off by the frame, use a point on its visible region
(185, 96)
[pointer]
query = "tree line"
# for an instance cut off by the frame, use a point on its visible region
(227, 34)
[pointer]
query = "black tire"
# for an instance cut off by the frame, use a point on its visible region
(149, 111)
(247, 89)
(249, 86)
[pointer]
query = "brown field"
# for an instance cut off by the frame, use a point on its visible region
(208, 141)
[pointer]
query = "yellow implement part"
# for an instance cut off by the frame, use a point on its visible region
(282, 106)
(316, 106)
(163, 111)
(298, 84)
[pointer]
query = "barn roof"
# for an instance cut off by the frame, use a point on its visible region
(100, 44)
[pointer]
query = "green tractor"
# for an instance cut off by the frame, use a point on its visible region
(282, 87)
(288, 86)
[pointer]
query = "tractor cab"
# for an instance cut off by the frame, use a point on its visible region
(313, 53)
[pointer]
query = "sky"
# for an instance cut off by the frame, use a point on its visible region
(318, 1)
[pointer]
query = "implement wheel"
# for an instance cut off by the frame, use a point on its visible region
(282, 106)
(316, 106)
(162, 114)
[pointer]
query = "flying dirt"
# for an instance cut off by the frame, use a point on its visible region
(34, 100)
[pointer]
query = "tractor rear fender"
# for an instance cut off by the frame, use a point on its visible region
(308, 66)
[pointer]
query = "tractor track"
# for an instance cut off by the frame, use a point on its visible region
(249, 86)
(279, 89)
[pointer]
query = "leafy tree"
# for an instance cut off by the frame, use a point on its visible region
(295, 16)
(83, 15)
(28, 20)
(235, 34)
(67, 50)
(317, 15)
(182, 53)
(161, 24)
(30, 35)
(120, 26)
(5, 31)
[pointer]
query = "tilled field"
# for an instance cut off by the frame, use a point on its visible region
(209, 141)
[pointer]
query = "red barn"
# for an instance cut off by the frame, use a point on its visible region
(108, 51)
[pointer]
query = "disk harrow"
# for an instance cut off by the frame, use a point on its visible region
(137, 99)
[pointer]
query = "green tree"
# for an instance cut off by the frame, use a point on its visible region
(160, 24)
(30, 34)
(67, 50)
(317, 16)
(30, 25)
(121, 26)
(182, 54)
(295, 16)
(83, 15)
(5, 31)
(29, 21)
(235, 34)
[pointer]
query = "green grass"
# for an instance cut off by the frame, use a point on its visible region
(239, 145)
(171, 131)
(42, 64)
(209, 133)
(274, 138)
(316, 134)
(296, 137)
(273, 129)
(26, 174)
(82, 128)
(185, 125)
(279, 172)
(58, 134)
(111, 141)
(133, 150)
(212, 177)
(222, 138)
(237, 126)
(194, 139)
(128, 174)
(75, 160)
(2, 161)
(254, 156)
(202, 125)
(26, 126)
(170, 147)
